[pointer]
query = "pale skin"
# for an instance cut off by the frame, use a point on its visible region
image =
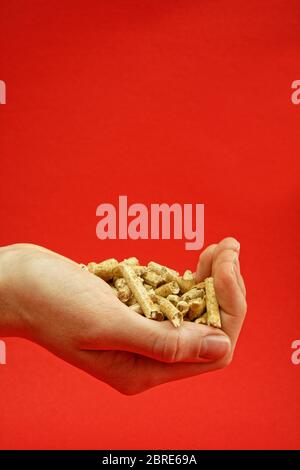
(48, 299)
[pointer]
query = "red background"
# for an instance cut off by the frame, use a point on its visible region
(165, 101)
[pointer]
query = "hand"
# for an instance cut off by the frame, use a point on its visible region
(48, 299)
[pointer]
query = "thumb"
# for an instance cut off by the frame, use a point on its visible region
(161, 341)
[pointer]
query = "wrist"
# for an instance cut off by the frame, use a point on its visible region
(12, 322)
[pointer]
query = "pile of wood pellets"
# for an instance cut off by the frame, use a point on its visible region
(160, 293)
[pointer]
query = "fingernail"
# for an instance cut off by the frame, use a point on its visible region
(236, 266)
(214, 346)
(235, 261)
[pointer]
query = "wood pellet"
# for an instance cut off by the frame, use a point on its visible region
(159, 292)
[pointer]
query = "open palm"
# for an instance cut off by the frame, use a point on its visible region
(75, 315)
